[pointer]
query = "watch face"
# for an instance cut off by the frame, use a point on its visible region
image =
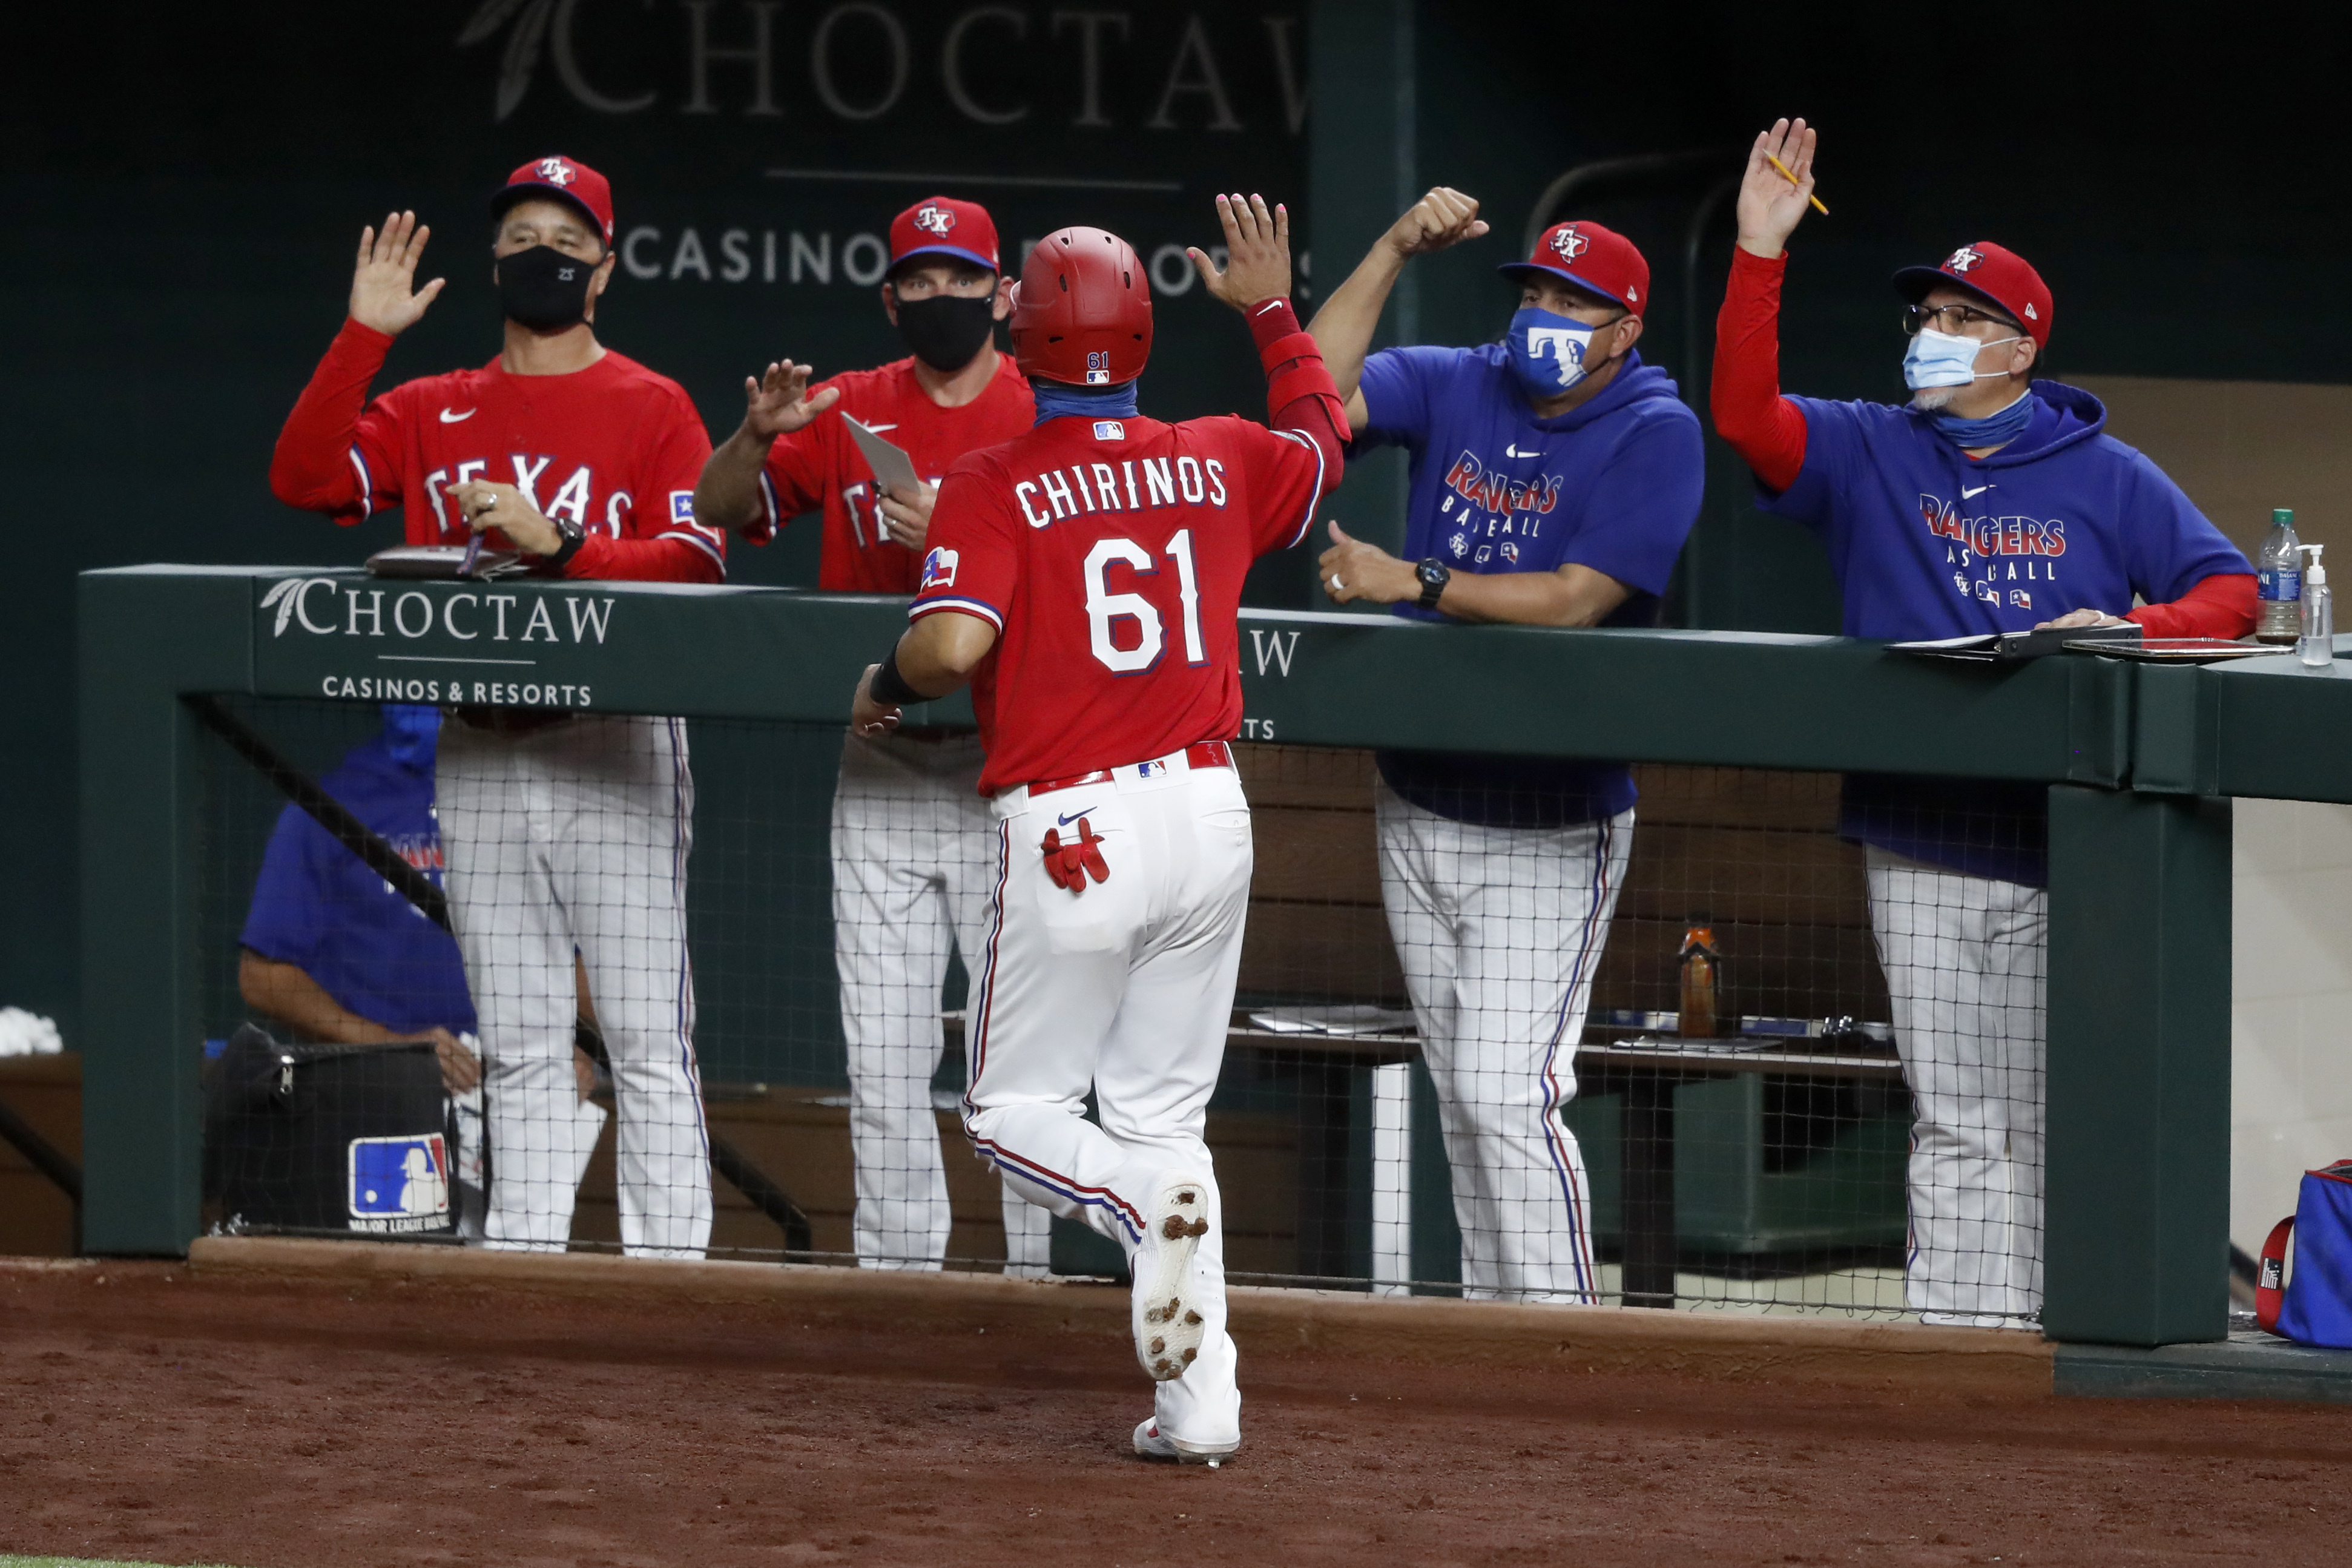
(1431, 573)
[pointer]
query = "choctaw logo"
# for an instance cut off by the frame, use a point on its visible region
(1962, 260)
(1568, 243)
(556, 172)
(935, 220)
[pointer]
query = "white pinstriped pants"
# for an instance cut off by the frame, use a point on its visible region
(914, 862)
(1499, 932)
(1965, 959)
(577, 836)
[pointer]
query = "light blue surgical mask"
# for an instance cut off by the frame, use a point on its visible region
(1946, 359)
(1547, 351)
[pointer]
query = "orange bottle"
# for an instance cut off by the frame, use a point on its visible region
(1702, 980)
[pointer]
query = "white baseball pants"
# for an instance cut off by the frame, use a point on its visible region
(1127, 989)
(1499, 932)
(576, 836)
(914, 857)
(1965, 959)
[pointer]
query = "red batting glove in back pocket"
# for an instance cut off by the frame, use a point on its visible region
(1069, 865)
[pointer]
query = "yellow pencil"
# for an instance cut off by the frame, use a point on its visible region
(1794, 181)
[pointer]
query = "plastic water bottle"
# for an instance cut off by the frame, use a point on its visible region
(2278, 577)
(2317, 647)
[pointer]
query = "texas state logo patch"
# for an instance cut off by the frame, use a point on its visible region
(938, 569)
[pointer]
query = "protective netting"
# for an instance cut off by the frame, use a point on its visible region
(706, 995)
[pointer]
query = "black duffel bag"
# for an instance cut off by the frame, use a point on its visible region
(328, 1137)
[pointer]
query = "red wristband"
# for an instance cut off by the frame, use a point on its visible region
(1270, 321)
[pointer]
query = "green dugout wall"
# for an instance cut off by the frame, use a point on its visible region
(2138, 761)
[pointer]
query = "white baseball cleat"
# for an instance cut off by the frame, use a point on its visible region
(1169, 1328)
(1154, 1443)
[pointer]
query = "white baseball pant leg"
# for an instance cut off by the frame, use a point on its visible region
(1126, 988)
(1965, 959)
(577, 836)
(914, 859)
(1499, 932)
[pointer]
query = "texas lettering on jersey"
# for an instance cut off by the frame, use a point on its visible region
(1989, 553)
(1110, 555)
(577, 497)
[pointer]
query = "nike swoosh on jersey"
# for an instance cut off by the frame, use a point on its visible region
(1512, 451)
(1967, 494)
(882, 426)
(1075, 816)
(448, 417)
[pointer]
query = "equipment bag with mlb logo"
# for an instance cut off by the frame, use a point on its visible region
(2315, 1308)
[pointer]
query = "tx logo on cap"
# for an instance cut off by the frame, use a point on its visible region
(1963, 258)
(935, 220)
(556, 172)
(1570, 243)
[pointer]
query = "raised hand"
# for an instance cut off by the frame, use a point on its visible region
(1258, 252)
(778, 403)
(1444, 216)
(383, 292)
(1770, 206)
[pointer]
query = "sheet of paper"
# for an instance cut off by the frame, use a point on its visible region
(892, 467)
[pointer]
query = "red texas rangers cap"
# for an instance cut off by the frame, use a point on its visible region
(1993, 272)
(1593, 258)
(942, 226)
(564, 180)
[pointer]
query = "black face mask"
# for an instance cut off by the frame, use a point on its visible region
(544, 288)
(946, 330)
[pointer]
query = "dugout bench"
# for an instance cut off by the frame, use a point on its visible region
(2138, 759)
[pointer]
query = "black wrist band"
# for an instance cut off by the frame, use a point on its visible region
(890, 688)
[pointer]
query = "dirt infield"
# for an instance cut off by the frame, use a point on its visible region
(149, 1414)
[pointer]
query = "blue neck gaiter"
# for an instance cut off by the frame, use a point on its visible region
(1057, 400)
(1993, 430)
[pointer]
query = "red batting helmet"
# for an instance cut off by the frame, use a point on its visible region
(1082, 311)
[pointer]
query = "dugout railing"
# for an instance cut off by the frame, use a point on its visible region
(2138, 762)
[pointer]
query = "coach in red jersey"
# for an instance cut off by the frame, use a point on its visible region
(1087, 578)
(562, 832)
(912, 844)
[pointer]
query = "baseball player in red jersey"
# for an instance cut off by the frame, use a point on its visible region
(913, 849)
(562, 830)
(1087, 579)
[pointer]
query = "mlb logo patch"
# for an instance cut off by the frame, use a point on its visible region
(2020, 599)
(399, 1183)
(1109, 430)
(1151, 770)
(938, 569)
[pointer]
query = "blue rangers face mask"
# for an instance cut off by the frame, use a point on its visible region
(1547, 351)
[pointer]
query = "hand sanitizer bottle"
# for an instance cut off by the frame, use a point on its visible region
(2317, 647)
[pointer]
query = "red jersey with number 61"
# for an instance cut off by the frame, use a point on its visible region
(1110, 555)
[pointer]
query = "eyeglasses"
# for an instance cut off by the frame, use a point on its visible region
(1952, 319)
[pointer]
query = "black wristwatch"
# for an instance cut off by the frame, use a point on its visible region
(1433, 575)
(572, 535)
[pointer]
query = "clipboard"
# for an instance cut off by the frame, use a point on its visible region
(892, 467)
